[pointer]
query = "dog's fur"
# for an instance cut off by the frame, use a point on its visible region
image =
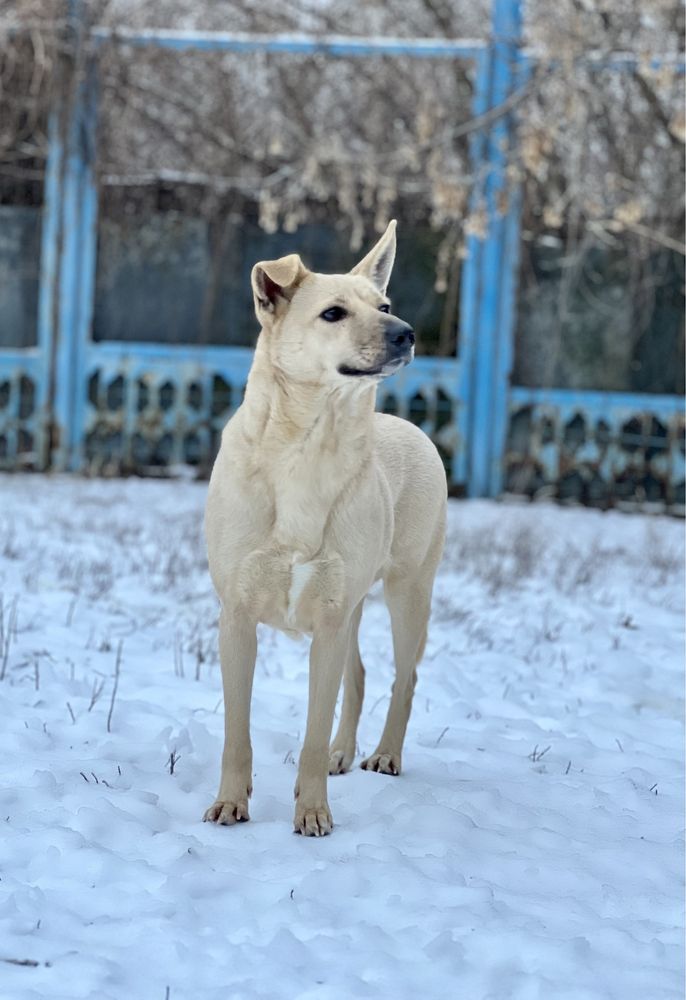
(313, 498)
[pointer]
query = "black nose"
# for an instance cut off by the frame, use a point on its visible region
(399, 335)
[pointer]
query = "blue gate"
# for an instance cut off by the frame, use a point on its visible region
(72, 403)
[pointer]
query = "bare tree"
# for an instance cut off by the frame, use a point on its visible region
(600, 151)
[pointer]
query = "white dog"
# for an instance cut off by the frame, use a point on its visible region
(313, 498)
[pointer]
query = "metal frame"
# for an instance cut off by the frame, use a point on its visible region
(186, 366)
(292, 44)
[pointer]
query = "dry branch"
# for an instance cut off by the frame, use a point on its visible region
(117, 667)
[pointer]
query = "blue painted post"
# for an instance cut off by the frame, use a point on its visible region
(471, 279)
(87, 250)
(494, 322)
(78, 248)
(507, 312)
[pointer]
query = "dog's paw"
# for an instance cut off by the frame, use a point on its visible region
(227, 813)
(313, 821)
(384, 763)
(340, 761)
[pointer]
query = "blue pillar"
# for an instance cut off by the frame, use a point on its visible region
(497, 263)
(78, 242)
(471, 278)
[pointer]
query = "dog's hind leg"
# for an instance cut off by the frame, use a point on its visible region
(342, 750)
(409, 604)
(238, 651)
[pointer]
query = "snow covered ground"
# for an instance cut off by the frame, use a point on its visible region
(532, 849)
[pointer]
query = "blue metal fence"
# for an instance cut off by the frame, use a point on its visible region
(115, 406)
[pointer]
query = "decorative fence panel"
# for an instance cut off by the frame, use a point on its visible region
(596, 448)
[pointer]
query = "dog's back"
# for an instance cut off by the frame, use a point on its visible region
(417, 481)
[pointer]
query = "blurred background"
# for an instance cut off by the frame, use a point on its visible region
(150, 153)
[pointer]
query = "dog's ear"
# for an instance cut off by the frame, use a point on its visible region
(274, 283)
(378, 263)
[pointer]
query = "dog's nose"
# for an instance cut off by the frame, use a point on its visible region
(399, 335)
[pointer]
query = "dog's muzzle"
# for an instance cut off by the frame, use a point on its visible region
(399, 346)
(399, 337)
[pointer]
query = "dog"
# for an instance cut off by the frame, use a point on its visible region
(313, 497)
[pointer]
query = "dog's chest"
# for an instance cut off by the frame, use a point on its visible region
(295, 578)
(290, 593)
(305, 484)
(300, 515)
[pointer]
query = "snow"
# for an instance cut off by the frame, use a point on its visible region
(531, 849)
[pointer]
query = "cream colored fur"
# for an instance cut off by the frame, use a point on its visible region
(313, 498)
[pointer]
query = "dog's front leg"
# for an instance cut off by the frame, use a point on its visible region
(327, 656)
(238, 651)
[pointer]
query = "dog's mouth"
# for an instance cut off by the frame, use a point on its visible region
(359, 372)
(379, 371)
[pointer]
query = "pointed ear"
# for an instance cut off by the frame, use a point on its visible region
(378, 263)
(274, 283)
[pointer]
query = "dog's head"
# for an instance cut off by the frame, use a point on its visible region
(332, 327)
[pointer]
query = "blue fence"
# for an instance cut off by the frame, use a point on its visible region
(70, 402)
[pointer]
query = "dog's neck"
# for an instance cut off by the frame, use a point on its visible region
(308, 442)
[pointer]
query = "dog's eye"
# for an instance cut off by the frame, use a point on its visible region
(333, 314)
(384, 307)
